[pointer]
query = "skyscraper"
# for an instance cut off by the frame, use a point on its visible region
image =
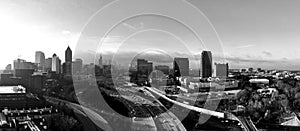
(68, 63)
(56, 64)
(68, 55)
(22, 64)
(144, 68)
(181, 67)
(206, 64)
(221, 70)
(77, 66)
(48, 64)
(100, 61)
(40, 60)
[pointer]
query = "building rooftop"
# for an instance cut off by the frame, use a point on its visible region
(259, 81)
(12, 89)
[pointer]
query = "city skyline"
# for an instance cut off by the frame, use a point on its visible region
(197, 58)
(250, 38)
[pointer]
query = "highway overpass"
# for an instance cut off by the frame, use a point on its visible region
(246, 124)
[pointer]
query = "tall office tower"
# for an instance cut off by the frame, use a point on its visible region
(181, 67)
(222, 70)
(22, 64)
(48, 64)
(77, 66)
(68, 55)
(144, 68)
(68, 63)
(64, 70)
(101, 61)
(206, 64)
(40, 60)
(56, 64)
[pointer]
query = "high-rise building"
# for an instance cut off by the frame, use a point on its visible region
(18, 63)
(64, 70)
(163, 68)
(48, 64)
(88, 69)
(68, 63)
(56, 64)
(206, 64)
(37, 83)
(22, 64)
(150, 67)
(144, 67)
(181, 67)
(100, 61)
(222, 70)
(25, 75)
(77, 66)
(107, 69)
(68, 55)
(40, 60)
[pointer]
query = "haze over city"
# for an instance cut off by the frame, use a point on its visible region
(254, 34)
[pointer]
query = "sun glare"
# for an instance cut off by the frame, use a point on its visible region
(19, 37)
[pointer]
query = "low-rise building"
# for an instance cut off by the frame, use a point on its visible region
(12, 97)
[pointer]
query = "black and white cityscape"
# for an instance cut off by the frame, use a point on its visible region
(149, 65)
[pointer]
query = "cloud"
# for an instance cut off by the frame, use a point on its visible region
(244, 62)
(268, 54)
(244, 46)
(65, 32)
(126, 58)
(240, 59)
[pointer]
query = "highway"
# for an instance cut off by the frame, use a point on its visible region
(158, 118)
(32, 126)
(247, 125)
(193, 108)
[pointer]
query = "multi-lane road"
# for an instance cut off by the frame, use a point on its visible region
(246, 124)
(147, 114)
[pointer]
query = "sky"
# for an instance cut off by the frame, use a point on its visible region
(252, 33)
